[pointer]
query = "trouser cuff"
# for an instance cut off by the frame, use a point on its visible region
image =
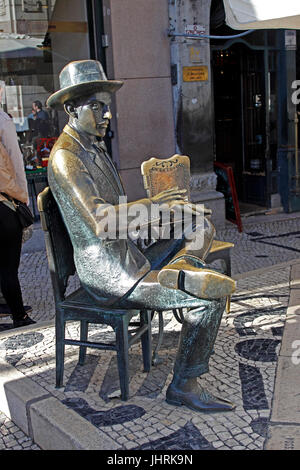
(190, 371)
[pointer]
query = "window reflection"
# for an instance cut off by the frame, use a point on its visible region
(37, 38)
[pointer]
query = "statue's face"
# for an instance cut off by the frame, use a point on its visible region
(93, 114)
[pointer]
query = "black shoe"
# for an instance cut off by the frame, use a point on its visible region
(23, 322)
(5, 310)
(201, 401)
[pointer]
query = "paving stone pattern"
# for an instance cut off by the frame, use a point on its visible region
(263, 244)
(241, 369)
(12, 438)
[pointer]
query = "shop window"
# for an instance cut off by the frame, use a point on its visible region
(37, 38)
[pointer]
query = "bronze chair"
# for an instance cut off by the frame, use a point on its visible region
(160, 174)
(78, 306)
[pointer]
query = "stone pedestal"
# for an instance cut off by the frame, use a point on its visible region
(203, 191)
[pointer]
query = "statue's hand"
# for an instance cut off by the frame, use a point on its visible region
(176, 199)
(169, 196)
(188, 208)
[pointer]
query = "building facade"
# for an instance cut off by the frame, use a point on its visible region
(226, 100)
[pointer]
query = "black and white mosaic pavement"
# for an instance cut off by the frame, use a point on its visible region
(242, 369)
(263, 244)
(12, 438)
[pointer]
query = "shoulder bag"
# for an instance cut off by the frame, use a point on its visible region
(22, 210)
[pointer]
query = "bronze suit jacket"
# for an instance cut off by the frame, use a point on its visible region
(83, 179)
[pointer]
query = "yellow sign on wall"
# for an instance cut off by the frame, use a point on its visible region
(195, 74)
(196, 54)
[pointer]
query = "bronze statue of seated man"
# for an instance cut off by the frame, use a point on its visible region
(115, 271)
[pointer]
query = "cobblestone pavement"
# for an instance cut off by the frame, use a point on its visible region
(263, 244)
(242, 368)
(12, 438)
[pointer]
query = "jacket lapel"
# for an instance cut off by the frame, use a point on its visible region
(104, 162)
(99, 158)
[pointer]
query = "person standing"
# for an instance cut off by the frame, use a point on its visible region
(13, 187)
(41, 119)
(38, 112)
(39, 123)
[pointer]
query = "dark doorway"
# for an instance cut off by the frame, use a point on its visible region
(239, 104)
(227, 106)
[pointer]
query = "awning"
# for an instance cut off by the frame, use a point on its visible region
(262, 14)
(16, 46)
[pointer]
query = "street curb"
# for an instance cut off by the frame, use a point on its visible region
(284, 428)
(49, 423)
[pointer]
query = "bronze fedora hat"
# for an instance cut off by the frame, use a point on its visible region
(79, 78)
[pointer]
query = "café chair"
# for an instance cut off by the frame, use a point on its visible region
(161, 174)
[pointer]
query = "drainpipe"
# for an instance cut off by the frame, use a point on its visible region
(297, 175)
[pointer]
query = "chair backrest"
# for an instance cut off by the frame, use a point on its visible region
(58, 244)
(160, 174)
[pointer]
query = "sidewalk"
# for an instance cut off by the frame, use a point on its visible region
(255, 365)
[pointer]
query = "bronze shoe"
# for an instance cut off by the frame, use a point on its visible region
(197, 401)
(200, 282)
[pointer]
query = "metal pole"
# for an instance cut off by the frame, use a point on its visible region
(297, 175)
(296, 151)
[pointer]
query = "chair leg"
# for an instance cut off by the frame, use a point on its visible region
(122, 355)
(227, 260)
(155, 357)
(83, 337)
(146, 339)
(60, 348)
(227, 308)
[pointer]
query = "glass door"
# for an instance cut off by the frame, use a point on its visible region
(254, 127)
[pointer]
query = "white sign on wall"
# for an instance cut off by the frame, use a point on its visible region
(195, 29)
(290, 40)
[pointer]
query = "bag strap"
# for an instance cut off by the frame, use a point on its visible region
(11, 199)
